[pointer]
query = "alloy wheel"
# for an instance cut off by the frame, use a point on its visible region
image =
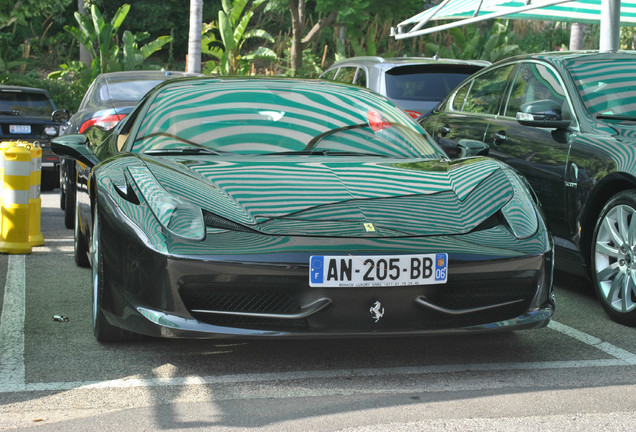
(615, 259)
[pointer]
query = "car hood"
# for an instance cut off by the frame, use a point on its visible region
(333, 196)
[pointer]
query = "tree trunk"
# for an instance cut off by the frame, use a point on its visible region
(298, 43)
(297, 9)
(193, 61)
(577, 31)
(84, 55)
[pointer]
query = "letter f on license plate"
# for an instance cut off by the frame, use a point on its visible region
(377, 270)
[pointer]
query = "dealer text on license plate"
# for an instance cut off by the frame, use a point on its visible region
(377, 270)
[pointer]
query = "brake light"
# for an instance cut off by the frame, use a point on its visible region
(413, 114)
(107, 122)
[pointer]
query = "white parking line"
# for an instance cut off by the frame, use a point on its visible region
(12, 371)
(607, 348)
(12, 367)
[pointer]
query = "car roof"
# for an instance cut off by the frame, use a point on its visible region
(561, 56)
(387, 62)
(143, 74)
(22, 89)
(283, 83)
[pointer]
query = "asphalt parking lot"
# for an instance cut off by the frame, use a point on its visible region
(577, 374)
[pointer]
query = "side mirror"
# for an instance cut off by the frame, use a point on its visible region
(60, 116)
(74, 147)
(470, 147)
(544, 113)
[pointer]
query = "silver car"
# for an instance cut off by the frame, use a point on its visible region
(416, 84)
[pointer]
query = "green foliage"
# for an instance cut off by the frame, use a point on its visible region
(66, 93)
(225, 39)
(310, 68)
(469, 43)
(100, 38)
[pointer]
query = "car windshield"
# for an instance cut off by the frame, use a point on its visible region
(606, 86)
(251, 118)
(25, 104)
(418, 83)
(106, 92)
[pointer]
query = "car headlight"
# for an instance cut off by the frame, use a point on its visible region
(176, 215)
(520, 211)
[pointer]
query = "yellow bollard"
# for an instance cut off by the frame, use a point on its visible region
(14, 234)
(4, 145)
(35, 201)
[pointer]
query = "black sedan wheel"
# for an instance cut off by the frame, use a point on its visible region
(69, 207)
(79, 241)
(62, 190)
(614, 258)
(104, 332)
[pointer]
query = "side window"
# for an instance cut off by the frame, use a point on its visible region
(330, 74)
(460, 97)
(346, 74)
(534, 82)
(485, 94)
(361, 77)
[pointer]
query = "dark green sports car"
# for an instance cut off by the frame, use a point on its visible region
(279, 207)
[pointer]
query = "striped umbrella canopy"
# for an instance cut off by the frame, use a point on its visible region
(470, 11)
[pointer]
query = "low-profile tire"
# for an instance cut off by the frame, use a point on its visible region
(102, 329)
(62, 190)
(614, 257)
(80, 244)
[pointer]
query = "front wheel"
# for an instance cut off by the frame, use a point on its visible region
(614, 258)
(102, 329)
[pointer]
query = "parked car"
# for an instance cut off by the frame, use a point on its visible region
(567, 122)
(281, 207)
(110, 97)
(29, 114)
(416, 84)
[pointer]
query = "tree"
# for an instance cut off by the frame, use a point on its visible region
(225, 39)
(299, 42)
(194, 39)
(101, 40)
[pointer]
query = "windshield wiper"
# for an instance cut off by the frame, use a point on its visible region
(10, 112)
(181, 151)
(615, 117)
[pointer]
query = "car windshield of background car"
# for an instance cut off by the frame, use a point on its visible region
(248, 119)
(129, 91)
(606, 87)
(422, 86)
(25, 104)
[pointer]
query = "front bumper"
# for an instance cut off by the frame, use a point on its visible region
(259, 286)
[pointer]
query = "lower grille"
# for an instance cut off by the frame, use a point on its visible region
(242, 301)
(486, 293)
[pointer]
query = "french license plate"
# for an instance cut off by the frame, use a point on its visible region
(377, 270)
(20, 129)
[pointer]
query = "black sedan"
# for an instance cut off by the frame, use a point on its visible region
(567, 122)
(251, 208)
(110, 97)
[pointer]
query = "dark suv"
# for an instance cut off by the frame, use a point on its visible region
(415, 84)
(29, 114)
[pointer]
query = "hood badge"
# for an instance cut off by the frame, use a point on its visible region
(377, 311)
(368, 226)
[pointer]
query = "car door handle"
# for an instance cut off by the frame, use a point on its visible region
(501, 136)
